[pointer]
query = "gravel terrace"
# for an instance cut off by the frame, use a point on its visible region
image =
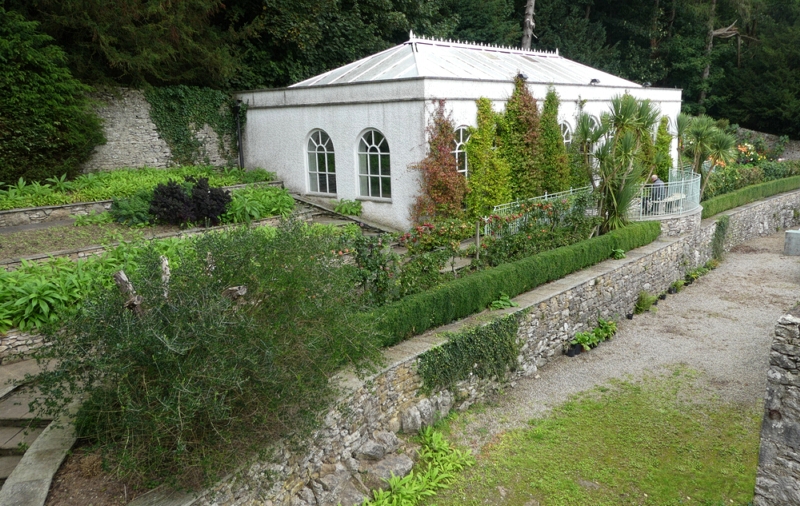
(721, 325)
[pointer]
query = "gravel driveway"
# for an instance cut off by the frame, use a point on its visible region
(721, 325)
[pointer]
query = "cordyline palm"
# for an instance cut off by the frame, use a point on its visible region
(619, 179)
(620, 169)
(703, 141)
(587, 135)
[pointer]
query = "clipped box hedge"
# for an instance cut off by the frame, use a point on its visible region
(460, 298)
(749, 194)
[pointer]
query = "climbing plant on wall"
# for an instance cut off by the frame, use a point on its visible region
(180, 112)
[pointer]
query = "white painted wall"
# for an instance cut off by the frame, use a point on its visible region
(280, 121)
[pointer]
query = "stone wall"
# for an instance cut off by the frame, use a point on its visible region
(778, 475)
(355, 447)
(132, 139)
(792, 150)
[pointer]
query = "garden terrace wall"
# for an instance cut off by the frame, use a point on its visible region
(45, 214)
(337, 458)
(777, 481)
(132, 139)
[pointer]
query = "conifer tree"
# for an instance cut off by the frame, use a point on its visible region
(489, 174)
(551, 160)
(519, 138)
(663, 148)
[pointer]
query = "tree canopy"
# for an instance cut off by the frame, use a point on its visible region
(732, 58)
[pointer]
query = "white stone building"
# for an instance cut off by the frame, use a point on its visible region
(355, 132)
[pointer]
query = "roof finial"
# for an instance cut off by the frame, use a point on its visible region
(411, 35)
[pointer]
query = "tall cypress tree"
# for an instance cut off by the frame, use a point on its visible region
(519, 138)
(551, 158)
(489, 174)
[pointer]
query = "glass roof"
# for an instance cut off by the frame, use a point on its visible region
(421, 57)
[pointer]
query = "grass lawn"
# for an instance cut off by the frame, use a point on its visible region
(661, 441)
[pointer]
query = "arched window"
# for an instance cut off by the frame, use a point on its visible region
(461, 138)
(566, 133)
(321, 163)
(374, 170)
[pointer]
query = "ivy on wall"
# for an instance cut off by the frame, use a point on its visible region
(179, 112)
(487, 351)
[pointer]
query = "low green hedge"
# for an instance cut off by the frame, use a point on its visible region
(749, 194)
(460, 298)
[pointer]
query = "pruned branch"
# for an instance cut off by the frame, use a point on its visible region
(134, 302)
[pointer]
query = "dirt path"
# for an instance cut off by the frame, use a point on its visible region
(721, 325)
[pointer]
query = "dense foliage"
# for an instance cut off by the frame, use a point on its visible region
(747, 73)
(46, 125)
(197, 381)
(117, 184)
(749, 194)
(518, 142)
(178, 112)
(442, 187)
(551, 157)
(461, 297)
(489, 173)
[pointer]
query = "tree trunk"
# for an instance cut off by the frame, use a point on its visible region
(528, 25)
(709, 47)
(654, 39)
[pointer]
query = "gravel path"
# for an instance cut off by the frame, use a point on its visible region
(721, 325)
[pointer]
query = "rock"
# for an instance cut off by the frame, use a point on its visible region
(425, 409)
(411, 420)
(378, 473)
(370, 451)
(387, 439)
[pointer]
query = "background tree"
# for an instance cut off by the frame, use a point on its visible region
(489, 182)
(551, 158)
(46, 125)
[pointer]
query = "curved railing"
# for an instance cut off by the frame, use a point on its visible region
(680, 195)
(654, 202)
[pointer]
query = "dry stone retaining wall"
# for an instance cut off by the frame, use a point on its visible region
(132, 139)
(341, 461)
(778, 475)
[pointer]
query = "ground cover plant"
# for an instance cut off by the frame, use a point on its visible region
(625, 443)
(96, 186)
(437, 466)
(197, 380)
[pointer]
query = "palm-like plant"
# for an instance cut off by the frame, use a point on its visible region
(587, 134)
(705, 142)
(619, 166)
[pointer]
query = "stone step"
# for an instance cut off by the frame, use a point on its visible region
(7, 464)
(14, 411)
(11, 437)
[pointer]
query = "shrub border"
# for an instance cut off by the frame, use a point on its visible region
(748, 194)
(462, 297)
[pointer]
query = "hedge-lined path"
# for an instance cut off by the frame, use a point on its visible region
(721, 325)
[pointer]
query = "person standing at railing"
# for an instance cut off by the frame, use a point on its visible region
(657, 194)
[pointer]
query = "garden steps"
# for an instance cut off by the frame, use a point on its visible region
(15, 416)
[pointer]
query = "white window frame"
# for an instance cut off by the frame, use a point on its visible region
(461, 139)
(319, 148)
(374, 165)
